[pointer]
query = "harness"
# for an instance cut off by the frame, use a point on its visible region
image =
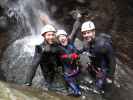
(69, 49)
(70, 64)
(93, 66)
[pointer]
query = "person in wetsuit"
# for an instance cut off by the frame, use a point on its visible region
(45, 56)
(102, 54)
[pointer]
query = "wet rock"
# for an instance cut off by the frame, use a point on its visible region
(16, 92)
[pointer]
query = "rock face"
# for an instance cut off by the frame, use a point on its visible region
(101, 12)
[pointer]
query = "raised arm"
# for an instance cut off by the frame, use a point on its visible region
(76, 25)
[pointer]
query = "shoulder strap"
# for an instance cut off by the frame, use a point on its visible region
(64, 49)
(69, 46)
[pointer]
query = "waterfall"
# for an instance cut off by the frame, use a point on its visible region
(26, 20)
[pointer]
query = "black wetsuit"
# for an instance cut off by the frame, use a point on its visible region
(46, 56)
(102, 58)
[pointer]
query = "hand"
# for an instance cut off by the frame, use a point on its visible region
(79, 15)
(76, 14)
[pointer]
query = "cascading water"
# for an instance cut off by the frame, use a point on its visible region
(18, 55)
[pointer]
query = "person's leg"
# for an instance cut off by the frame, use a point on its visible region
(100, 79)
(48, 70)
(71, 83)
(99, 84)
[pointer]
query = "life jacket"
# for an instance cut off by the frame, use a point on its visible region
(69, 62)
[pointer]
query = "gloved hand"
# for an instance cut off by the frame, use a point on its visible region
(76, 14)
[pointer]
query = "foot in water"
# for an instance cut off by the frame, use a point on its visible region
(73, 93)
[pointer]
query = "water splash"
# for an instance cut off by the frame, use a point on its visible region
(29, 43)
(31, 16)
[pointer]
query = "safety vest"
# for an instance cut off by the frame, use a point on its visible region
(69, 59)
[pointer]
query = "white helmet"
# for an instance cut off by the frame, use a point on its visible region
(47, 28)
(61, 32)
(88, 25)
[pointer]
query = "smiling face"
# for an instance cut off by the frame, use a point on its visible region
(88, 35)
(63, 39)
(49, 37)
